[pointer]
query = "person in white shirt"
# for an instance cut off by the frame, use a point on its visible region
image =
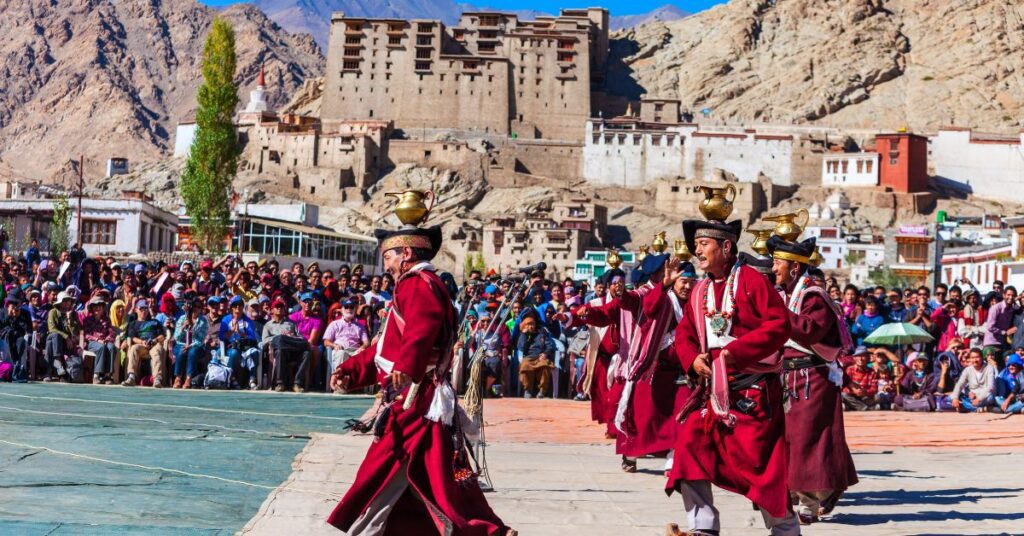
(975, 390)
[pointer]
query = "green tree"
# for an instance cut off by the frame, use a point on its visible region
(60, 226)
(213, 162)
(884, 276)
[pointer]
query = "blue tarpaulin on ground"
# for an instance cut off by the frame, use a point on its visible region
(82, 459)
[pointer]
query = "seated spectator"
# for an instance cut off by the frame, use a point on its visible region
(887, 374)
(311, 328)
(975, 390)
(281, 334)
(861, 383)
(63, 327)
(99, 339)
(867, 322)
(537, 351)
(146, 341)
(1010, 386)
(190, 334)
(917, 386)
(15, 328)
(345, 336)
(238, 333)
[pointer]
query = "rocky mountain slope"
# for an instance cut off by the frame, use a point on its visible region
(314, 16)
(107, 78)
(665, 13)
(850, 63)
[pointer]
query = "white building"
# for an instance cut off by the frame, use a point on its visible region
(631, 158)
(838, 252)
(629, 153)
(849, 169)
(183, 138)
(982, 265)
(128, 225)
(594, 264)
(987, 166)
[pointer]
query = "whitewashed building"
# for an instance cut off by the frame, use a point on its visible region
(981, 265)
(849, 169)
(839, 252)
(131, 224)
(987, 166)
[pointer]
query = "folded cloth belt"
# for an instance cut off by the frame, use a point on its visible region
(745, 381)
(799, 363)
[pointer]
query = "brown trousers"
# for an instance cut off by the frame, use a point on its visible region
(535, 373)
(156, 354)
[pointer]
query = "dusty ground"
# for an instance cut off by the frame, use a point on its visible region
(920, 474)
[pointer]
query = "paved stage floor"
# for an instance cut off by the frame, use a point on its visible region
(920, 474)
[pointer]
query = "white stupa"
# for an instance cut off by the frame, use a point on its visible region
(257, 97)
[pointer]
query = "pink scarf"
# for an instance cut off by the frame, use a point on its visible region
(644, 347)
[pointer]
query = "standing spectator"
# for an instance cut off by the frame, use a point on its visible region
(1010, 386)
(970, 324)
(63, 328)
(941, 290)
(895, 310)
(190, 334)
(861, 383)
(146, 338)
(868, 321)
(917, 386)
(99, 339)
(956, 296)
(920, 313)
(850, 304)
(975, 390)
(999, 324)
(32, 255)
(1017, 339)
(944, 319)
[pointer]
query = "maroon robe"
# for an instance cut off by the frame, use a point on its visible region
(749, 458)
(434, 503)
(819, 459)
(608, 315)
(651, 416)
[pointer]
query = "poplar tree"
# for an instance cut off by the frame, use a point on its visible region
(213, 160)
(60, 227)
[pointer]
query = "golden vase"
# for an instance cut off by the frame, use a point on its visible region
(644, 251)
(682, 251)
(412, 208)
(760, 243)
(715, 205)
(659, 245)
(613, 259)
(816, 259)
(786, 226)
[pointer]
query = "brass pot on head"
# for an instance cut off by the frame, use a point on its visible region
(659, 245)
(715, 205)
(412, 208)
(682, 251)
(613, 259)
(816, 258)
(760, 243)
(644, 251)
(786, 226)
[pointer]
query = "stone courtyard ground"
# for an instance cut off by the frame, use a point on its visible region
(920, 474)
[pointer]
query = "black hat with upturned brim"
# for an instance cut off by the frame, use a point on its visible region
(648, 266)
(800, 252)
(761, 264)
(607, 277)
(427, 238)
(694, 229)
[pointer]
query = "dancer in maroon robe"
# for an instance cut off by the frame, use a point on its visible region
(415, 478)
(604, 346)
(820, 465)
(732, 431)
(653, 392)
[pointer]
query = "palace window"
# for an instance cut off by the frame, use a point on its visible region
(99, 232)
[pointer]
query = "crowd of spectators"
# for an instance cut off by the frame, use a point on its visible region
(973, 364)
(209, 323)
(224, 323)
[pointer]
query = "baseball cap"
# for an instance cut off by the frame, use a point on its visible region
(213, 300)
(278, 303)
(348, 303)
(235, 300)
(206, 265)
(306, 296)
(141, 304)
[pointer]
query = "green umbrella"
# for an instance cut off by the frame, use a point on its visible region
(898, 334)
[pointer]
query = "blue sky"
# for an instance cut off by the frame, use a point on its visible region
(617, 7)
